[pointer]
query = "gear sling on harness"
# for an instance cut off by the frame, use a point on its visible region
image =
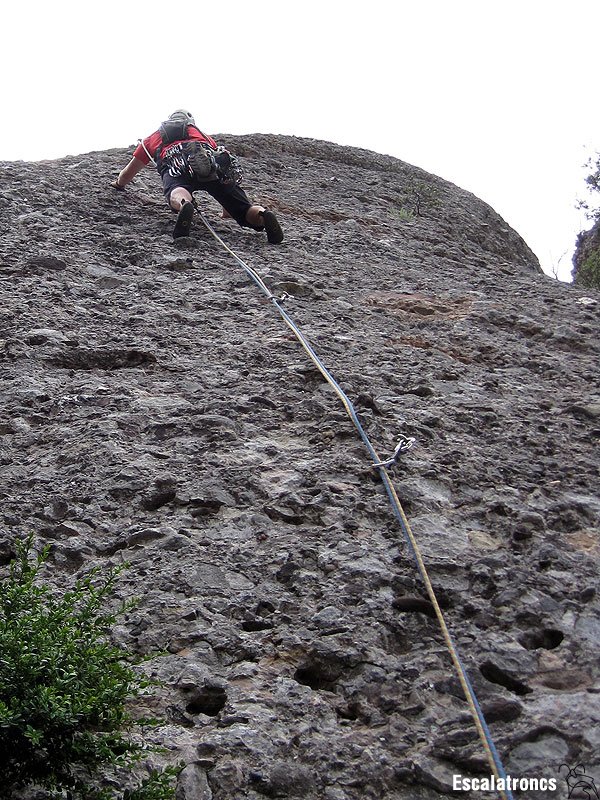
(197, 160)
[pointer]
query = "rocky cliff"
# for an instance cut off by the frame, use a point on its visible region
(156, 410)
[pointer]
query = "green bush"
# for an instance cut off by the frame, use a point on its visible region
(64, 688)
(588, 273)
(421, 196)
(591, 207)
(405, 214)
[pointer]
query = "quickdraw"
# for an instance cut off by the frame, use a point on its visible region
(404, 444)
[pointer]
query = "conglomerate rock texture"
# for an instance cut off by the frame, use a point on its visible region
(157, 410)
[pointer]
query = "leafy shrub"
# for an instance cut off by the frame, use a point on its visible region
(586, 259)
(64, 688)
(592, 207)
(405, 214)
(588, 273)
(421, 195)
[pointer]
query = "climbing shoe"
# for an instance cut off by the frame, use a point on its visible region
(184, 221)
(272, 227)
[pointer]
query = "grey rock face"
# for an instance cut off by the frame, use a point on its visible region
(157, 410)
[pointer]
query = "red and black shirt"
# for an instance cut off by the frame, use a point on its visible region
(155, 146)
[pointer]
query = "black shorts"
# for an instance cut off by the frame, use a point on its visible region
(231, 196)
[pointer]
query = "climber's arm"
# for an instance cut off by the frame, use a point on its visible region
(128, 174)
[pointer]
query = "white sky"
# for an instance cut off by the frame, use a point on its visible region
(500, 98)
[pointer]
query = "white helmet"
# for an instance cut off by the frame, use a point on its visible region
(181, 113)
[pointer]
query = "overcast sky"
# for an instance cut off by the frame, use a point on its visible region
(500, 98)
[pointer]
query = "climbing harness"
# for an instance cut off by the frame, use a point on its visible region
(404, 444)
(225, 166)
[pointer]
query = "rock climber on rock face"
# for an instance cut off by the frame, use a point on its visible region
(188, 160)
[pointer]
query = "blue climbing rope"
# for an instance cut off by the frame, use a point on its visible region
(485, 735)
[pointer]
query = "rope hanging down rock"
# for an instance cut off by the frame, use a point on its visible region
(404, 444)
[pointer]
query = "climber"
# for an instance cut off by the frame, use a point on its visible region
(188, 160)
